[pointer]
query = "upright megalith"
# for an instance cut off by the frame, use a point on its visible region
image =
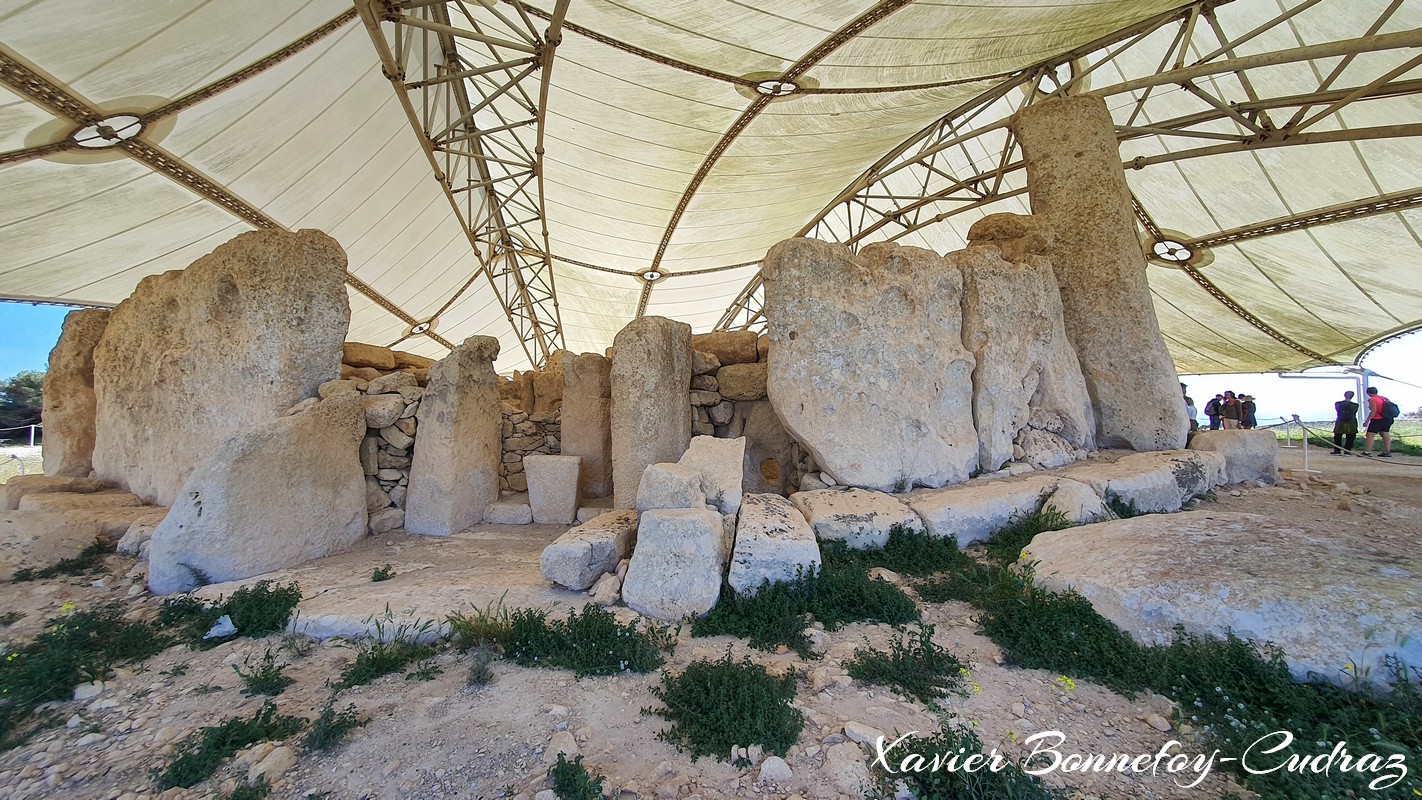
(270, 496)
(651, 421)
(454, 474)
(69, 405)
(867, 366)
(587, 419)
(1079, 189)
(1029, 397)
(195, 355)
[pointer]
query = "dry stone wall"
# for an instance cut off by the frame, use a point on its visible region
(525, 434)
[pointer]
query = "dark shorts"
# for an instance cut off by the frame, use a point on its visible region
(1379, 425)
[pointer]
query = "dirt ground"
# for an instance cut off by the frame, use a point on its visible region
(443, 739)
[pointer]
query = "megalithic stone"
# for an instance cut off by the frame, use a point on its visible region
(587, 419)
(651, 415)
(1078, 187)
(69, 403)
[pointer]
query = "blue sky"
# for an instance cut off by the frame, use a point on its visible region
(28, 332)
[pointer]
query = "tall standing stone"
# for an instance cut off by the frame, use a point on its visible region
(69, 405)
(867, 366)
(195, 355)
(587, 419)
(454, 475)
(651, 421)
(1079, 188)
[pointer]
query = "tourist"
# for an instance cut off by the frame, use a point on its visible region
(1213, 410)
(1230, 411)
(1246, 411)
(1190, 411)
(1345, 425)
(1378, 423)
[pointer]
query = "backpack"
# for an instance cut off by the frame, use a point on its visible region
(1390, 409)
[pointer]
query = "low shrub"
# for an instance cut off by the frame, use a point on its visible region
(571, 780)
(384, 573)
(330, 727)
(256, 610)
(906, 552)
(717, 705)
(89, 560)
(914, 665)
(265, 678)
(910, 762)
(202, 753)
(590, 642)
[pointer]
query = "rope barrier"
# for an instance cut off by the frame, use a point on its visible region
(21, 428)
(1327, 442)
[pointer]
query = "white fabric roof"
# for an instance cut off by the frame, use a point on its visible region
(656, 153)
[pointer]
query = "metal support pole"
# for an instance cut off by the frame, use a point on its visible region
(32, 436)
(1306, 448)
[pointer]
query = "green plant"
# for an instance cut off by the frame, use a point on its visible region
(90, 559)
(207, 688)
(425, 670)
(1121, 507)
(1007, 543)
(909, 761)
(907, 552)
(716, 705)
(331, 726)
(202, 753)
(265, 678)
(778, 613)
(589, 642)
(262, 608)
(191, 617)
(914, 665)
(480, 657)
(571, 780)
(489, 625)
(384, 573)
(255, 791)
(382, 655)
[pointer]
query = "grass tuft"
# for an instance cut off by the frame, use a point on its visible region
(717, 705)
(382, 655)
(201, 754)
(590, 642)
(265, 678)
(331, 727)
(914, 666)
(480, 657)
(571, 780)
(487, 626)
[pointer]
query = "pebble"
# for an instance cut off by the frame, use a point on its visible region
(1158, 722)
(86, 691)
(775, 770)
(863, 734)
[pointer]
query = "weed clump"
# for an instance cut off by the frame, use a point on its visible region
(571, 780)
(331, 726)
(90, 559)
(914, 665)
(265, 678)
(1121, 507)
(256, 610)
(907, 552)
(717, 705)
(487, 626)
(376, 657)
(384, 573)
(779, 613)
(480, 657)
(590, 642)
(255, 791)
(201, 754)
(1001, 780)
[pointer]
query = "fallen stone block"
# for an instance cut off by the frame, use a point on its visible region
(722, 468)
(975, 511)
(579, 557)
(861, 518)
(773, 543)
(678, 564)
(552, 488)
(1251, 455)
(66, 501)
(140, 531)
(670, 486)
(113, 523)
(511, 510)
(386, 520)
(1147, 484)
(21, 485)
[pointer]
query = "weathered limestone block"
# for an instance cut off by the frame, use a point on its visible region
(39, 539)
(1322, 599)
(454, 474)
(860, 518)
(382, 410)
(113, 522)
(770, 452)
(651, 422)
(367, 355)
(704, 363)
(193, 356)
(66, 501)
(17, 487)
(1026, 368)
(69, 404)
(342, 386)
(512, 510)
(411, 360)
(390, 384)
(678, 563)
(721, 463)
(548, 383)
(1159, 482)
(976, 511)
(140, 531)
(1249, 455)
(670, 486)
(552, 488)
(1079, 190)
(867, 368)
(587, 420)
(386, 520)
(232, 520)
(773, 543)
(1078, 502)
(579, 557)
(729, 347)
(742, 381)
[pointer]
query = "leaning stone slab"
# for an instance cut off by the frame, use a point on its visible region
(976, 511)
(66, 501)
(773, 543)
(552, 488)
(670, 486)
(20, 485)
(579, 557)
(69, 403)
(860, 518)
(677, 566)
(234, 520)
(722, 467)
(1323, 599)
(1249, 455)
(39, 539)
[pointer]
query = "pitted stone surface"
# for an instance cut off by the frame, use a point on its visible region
(860, 518)
(670, 486)
(678, 564)
(587, 420)
(773, 543)
(579, 557)
(651, 421)
(976, 511)
(552, 488)
(721, 463)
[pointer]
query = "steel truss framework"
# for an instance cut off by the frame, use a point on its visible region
(922, 182)
(31, 82)
(473, 79)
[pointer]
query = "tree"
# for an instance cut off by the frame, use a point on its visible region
(21, 398)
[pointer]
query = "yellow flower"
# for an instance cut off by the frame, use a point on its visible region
(66, 608)
(1066, 683)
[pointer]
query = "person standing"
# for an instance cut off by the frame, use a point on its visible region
(1190, 411)
(1378, 423)
(1246, 411)
(1229, 411)
(1212, 410)
(1345, 425)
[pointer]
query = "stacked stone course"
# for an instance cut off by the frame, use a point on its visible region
(526, 434)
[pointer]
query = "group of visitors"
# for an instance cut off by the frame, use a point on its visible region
(1381, 413)
(1231, 412)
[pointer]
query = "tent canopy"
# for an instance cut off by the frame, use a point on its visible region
(545, 171)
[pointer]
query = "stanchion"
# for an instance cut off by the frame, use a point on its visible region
(1289, 436)
(1305, 445)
